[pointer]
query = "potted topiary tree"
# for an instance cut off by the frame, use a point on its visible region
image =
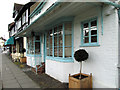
(80, 80)
(23, 58)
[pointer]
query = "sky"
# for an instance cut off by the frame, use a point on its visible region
(6, 10)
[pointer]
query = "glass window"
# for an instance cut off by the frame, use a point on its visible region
(33, 45)
(68, 39)
(57, 36)
(49, 42)
(89, 32)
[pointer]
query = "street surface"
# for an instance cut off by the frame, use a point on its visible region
(12, 76)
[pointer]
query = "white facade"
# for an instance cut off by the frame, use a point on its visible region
(103, 58)
(33, 61)
(46, 6)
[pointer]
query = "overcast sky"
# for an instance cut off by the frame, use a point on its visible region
(6, 10)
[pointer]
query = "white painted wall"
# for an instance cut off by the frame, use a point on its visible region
(24, 45)
(46, 6)
(103, 59)
(33, 61)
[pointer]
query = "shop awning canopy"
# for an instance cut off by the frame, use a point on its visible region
(10, 41)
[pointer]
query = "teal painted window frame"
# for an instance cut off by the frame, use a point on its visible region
(82, 36)
(34, 54)
(63, 58)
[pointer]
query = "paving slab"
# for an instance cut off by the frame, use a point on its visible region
(14, 77)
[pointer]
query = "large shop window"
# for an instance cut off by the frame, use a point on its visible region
(89, 33)
(33, 45)
(59, 41)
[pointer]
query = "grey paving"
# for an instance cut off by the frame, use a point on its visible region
(13, 77)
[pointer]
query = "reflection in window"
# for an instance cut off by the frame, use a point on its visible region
(90, 31)
(33, 43)
(49, 43)
(68, 39)
(57, 36)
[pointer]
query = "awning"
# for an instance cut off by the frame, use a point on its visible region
(10, 41)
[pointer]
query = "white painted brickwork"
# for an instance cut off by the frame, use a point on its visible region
(103, 59)
(33, 61)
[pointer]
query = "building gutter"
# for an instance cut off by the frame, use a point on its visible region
(110, 3)
(47, 11)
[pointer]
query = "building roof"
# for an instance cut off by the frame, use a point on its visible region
(2, 39)
(17, 8)
(10, 26)
(23, 9)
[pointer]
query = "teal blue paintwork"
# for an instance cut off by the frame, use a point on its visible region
(37, 9)
(59, 21)
(52, 42)
(47, 11)
(111, 3)
(44, 47)
(72, 40)
(89, 44)
(10, 41)
(119, 13)
(60, 59)
(63, 41)
(63, 38)
(33, 55)
(102, 18)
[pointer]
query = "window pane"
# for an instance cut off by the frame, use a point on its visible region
(47, 42)
(47, 51)
(60, 29)
(94, 23)
(55, 41)
(93, 38)
(68, 28)
(55, 51)
(37, 47)
(55, 32)
(86, 25)
(60, 41)
(50, 51)
(94, 31)
(55, 36)
(86, 32)
(68, 40)
(60, 51)
(86, 39)
(37, 37)
(50, 42)
(32, 48)
(68, 51)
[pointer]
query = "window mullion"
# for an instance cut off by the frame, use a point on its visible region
(89, 33)
(72, 40)
(57, 42)
(63, 41)
(40, 44)
(53, 42)
(49, 43)
(34, 44)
